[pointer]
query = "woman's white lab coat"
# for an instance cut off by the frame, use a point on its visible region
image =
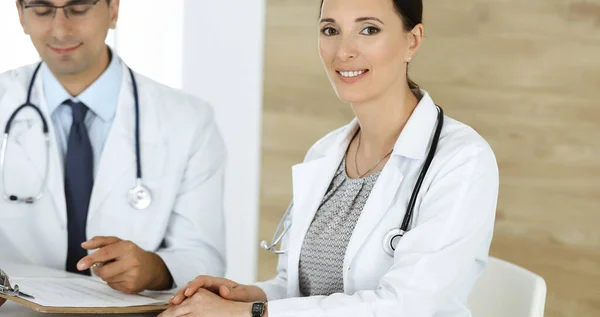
(436, 263)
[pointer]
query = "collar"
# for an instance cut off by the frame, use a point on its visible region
(101, 97)
(418, 132)
(414, 139)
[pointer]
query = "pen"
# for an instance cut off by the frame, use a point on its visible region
(100, 264)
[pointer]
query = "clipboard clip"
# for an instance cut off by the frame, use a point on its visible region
(7, 290)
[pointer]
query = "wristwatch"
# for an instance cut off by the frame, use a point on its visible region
(258, 309)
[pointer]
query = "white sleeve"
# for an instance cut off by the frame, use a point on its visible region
(276, 288)
(194, 243)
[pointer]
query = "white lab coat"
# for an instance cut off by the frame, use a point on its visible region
(183, 160)
(436, 263)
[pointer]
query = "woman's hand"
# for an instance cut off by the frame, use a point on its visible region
(220, 286)
(205, 303)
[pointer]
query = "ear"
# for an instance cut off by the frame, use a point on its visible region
(21, 17)
(415, 39)
(114, 13)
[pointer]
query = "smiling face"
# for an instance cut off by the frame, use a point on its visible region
(365, 48)
(73, 44)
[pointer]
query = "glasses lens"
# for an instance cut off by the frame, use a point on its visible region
(79, 10)
(43, 11)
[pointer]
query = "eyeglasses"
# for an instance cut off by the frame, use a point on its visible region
(77, 10)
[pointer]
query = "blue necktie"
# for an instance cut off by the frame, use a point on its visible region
(79, 179)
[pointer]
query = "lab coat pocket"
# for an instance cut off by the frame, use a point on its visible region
(370, 264)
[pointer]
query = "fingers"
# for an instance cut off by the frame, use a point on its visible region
(126, 286)
(123, 275)
(207, 282)
(127, 282)
(202, 281)
(192, 287)
(237, 293)
(107, 253)
(225, 292)
(120, 278)
(99, 242)
(177, 311)
(243, 293)
(210, 283)
(113, 272)
(176, 299)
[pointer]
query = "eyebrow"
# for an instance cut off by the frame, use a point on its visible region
(361, 19)
(48, 3)
(38, 2)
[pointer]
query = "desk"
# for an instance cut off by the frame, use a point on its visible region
(12, 309)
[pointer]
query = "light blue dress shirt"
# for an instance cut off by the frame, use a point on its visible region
(102, 98)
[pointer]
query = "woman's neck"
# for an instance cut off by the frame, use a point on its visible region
(381, 120)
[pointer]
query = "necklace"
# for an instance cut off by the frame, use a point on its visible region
(372, 167)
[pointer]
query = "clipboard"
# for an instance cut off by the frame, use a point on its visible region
(15, 295)
(86, 310)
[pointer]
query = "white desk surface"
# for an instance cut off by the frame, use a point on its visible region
(12, 309)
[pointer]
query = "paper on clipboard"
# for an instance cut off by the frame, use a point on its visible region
(82, 292)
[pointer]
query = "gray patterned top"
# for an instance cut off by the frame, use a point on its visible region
(324, 247)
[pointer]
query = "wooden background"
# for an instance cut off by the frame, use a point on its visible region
(524, 74)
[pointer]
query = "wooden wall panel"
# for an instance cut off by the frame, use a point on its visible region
(524, 74)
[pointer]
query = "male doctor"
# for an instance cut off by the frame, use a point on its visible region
(84, 221)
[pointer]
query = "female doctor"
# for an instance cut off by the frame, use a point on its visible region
(345, 253)
(103, 170)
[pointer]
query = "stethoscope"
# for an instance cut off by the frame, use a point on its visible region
(393, 236)
(139, 197)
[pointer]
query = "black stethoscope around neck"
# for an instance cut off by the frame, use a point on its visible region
(139, 197)
(392, 237)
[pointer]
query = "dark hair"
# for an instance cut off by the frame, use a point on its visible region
(411, 13)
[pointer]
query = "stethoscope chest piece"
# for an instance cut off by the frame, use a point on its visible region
(140, 197)
(391, 239)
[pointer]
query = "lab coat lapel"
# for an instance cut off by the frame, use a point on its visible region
(310, 183)
(27, 133)
(118, 159)
(380, 198)
(412, 144)
(118, 155)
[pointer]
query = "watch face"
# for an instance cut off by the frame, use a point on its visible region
(257, 309)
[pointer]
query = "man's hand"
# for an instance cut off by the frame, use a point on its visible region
(125, 266)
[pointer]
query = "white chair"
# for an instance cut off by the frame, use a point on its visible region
(507, 290)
